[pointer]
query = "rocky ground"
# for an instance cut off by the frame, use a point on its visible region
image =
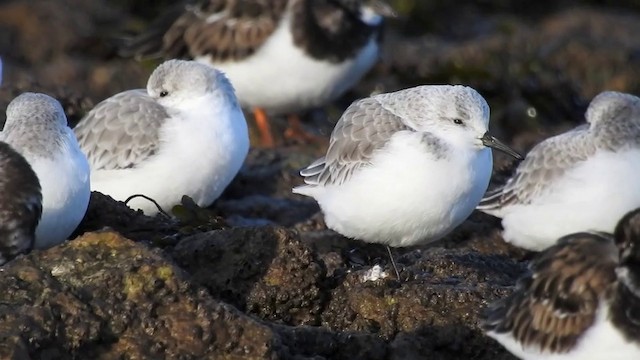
(258, 275)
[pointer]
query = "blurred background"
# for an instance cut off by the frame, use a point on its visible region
(538, 64)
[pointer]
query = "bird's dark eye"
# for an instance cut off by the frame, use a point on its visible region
(164, 93)
(457, 121)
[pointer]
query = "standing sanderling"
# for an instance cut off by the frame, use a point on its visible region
(282, 56)
(184, 135)
(582, 180)
(405, 168)
(580, 301)
(37, 128)
(21, 204)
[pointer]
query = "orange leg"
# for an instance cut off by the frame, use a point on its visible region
(264, 128)
(295, 131)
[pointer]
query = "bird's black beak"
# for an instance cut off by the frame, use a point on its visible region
(490, 141)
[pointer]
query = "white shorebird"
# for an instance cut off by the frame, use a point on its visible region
(20, 206)
(581, 300)
(405, 168)
(184, 135)
(37, 128)
(282, 56)
(582, 180)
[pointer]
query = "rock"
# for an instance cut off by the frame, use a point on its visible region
(265, 271)
(269, 272)
(102, 295)
(105, 212)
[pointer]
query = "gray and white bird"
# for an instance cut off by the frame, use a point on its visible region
(36, 127)
(581, 180)
(21, 204)
(184, 135)
(405, 168)
(581, 300)
(282, 56)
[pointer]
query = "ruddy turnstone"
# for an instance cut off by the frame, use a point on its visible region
(282, 56)
(184, 135)
(581, 180)
(21, 204)
(37, 128)
(580, 301)
(407, 167)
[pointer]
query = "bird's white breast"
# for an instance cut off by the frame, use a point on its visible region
(593, 196)
(281, 78)
(407, 196)
(201, 150)
(65, 185)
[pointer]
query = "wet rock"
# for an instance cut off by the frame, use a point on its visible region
(440, 288)
(102, 295)
(280, 211)
(265, 271)
(271, 273)
(105, 212)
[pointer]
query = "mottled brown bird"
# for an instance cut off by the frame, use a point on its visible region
(21, 204)
(581, 300)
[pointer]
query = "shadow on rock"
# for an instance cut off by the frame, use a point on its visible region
(264, 271)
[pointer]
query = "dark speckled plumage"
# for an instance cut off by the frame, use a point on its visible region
(626, 303)
(558, 301)
(329, 30)
(20, 206)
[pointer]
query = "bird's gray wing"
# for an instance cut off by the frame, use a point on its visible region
(543, 165)
(557, 301)
(364, 127)
(121, 131)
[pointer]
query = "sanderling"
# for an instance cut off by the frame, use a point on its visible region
(405, 168)
(21, 205)
(37, 128)
(580, 301)
(282, 56)
(581, 180)
(184, 135)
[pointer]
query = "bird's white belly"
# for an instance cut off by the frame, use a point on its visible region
(201, 158)
(281, 78)
(65, 197)
(592, 197)
(406, 197)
